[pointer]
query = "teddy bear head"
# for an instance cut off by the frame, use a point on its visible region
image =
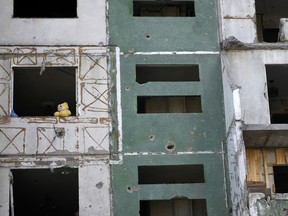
(62, 107)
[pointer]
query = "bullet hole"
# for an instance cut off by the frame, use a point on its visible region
(152, 137)
(131, 188)
(127, 88)
(148, 36)
(170, 146)
(60, 132)
(99, 185)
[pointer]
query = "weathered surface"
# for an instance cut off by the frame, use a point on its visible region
(81, 31)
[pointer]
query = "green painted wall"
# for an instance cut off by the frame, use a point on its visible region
(166, 33)
(126, 202)
(189, 131)
(198, 137)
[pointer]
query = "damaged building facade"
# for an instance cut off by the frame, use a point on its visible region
(254, 62)
(177, 107)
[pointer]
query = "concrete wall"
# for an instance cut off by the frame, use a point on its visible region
(88, 29)
(252, 80)
(86, 139)
(238, 20)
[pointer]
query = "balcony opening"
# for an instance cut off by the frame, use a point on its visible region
(277, 76)
(45, 9)
(173, 174)
(36, 94)
(267, 170)
(268, 14)
(45, 192)
(169, 104)
(167, 73)
(169, 8)
(173, 207)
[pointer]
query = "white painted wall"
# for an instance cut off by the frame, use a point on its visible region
(238, 20)
(4, 191)
(86, 143)
(88, 29)
(94, 190)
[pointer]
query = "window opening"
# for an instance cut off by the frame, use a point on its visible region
(169, 104)
(173, 207)
(167, 8)
(39, 95)
(45, 192)
(277, 76)
(167, 73)
(173, 174)
(281, 178)
(45, 9)
(268, 14)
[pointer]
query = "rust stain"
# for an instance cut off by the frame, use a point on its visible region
(25, 56)
(5, 119)
(105, 120)
(44, 120)
(76, 119)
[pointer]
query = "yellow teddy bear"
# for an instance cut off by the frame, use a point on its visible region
(63, 110)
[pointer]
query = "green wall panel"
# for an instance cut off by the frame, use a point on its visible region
(126, 176)
(188, 131)
(166, 33)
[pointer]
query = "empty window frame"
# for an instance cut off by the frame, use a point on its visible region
(277, 76)
(167, 73)
(43, 192)
(45, 9)
(171, 174)
(38, 94)
(169, 104)
(173, 207)
(169, 8)
(268, 14)
(281, 178)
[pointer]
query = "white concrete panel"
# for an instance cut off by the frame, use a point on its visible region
(238, 9)
(247, 70)
(94, 190)
(243, 29)
(4, 191)
(88, 29)
(228, 101)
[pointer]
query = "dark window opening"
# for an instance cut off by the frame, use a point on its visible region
(45, 9)
(167, 73)
(45, 192)
(173, 174)
(277, 76)
(268, 14)
(38, 94)
(169, 104)
(281, 178)
(169, 8)
(173, 207)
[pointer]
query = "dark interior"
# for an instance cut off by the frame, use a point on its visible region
(281, 178)
(45, 9)
(167, 73)
(164, 8)
(45, 192)
(173, 174)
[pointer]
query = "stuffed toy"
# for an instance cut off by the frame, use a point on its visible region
(63, 110)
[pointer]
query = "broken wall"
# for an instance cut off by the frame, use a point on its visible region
(80, 141)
